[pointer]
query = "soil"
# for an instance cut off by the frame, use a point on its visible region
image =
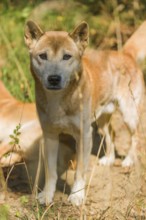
(114, 193)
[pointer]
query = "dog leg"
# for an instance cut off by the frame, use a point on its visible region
(83, 152)
(50, 152)
(106, 130)
(131, 157)
(10, 160)
(130, 111)
(5, 148)
(109, 157)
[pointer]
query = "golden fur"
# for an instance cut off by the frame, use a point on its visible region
(74, 88)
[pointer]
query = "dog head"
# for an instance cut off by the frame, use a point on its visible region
(56, 55)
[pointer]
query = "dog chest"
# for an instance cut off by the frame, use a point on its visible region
(55, 119)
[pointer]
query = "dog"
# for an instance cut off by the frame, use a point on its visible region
(136, 48)
(20, 116)
(74, 87)
(13, 113)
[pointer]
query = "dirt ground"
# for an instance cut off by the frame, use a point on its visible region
(112, 192)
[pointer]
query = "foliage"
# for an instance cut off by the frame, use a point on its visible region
(15, 136)
(4, 212)
(104, 18)
(14, 52)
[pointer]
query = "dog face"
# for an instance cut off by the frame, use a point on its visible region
(55, 55)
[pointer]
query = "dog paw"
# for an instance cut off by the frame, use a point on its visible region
(77, 198)
(44, 198)
(127, 162)
(78, 193)
(107, 161)
(10, 159)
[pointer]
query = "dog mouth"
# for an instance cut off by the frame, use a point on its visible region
(49, 87)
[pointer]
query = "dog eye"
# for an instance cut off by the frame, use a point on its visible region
(43, 56)
(66, 56)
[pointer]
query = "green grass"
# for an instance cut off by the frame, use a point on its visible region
(15, 72)
(14, 58)
(4, 212)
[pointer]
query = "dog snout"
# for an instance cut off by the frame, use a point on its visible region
(54, 80)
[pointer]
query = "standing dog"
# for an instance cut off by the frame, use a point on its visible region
(73, 89)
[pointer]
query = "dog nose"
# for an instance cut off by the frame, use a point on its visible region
(54, 80)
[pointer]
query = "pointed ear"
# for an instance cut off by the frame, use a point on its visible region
(136, 44)
(81, 34)
(32, 34)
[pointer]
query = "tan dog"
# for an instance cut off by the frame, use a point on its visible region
(73, 89)
(136, 48)
(13, 113)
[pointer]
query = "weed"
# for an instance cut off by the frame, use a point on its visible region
(4, 212)
(15, 135)
(24, 199)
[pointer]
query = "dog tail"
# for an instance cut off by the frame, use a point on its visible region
(136, 45)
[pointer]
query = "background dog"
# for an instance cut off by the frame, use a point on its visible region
(13, 113)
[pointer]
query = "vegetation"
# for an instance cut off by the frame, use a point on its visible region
(104, 18)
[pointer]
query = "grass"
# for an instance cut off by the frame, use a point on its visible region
(15, 70)
(14, 56)
(4, 212)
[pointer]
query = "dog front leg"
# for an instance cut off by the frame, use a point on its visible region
(50, 163)
(83, 150)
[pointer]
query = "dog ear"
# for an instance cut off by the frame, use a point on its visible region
(81, 34)
(136, 44)
(32, 34)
